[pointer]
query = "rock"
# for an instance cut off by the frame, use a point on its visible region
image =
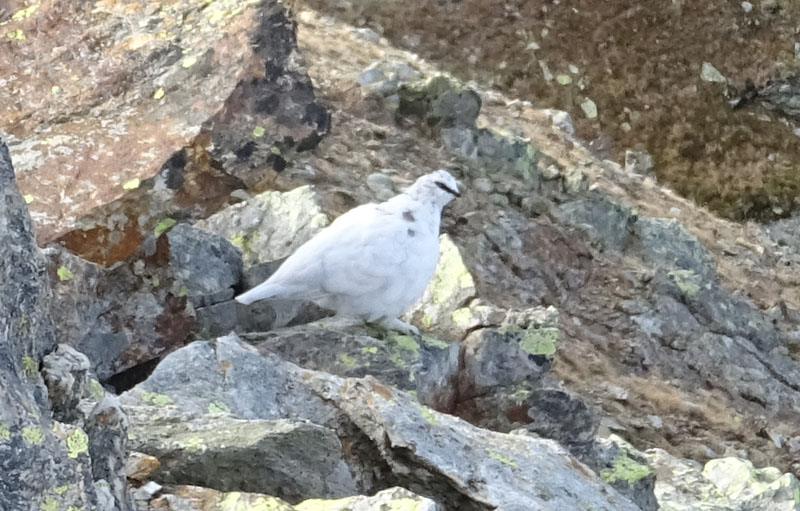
(119, 317)
(439, 101)
(451, 288)
(589, 108)
(205, 265)
(426, 367)
(140, 466)
(561, 120)
(665, 242)
(107, 429)
(607, 222)
(186, 498)
(709, 73)
(397, 437)
(65, 373)
(147, 491)
(638, 162)
(723, 484)
(288, 459)
(271, 225)
(45, 463)
(219, 97)
(381, 185)
(627, 471)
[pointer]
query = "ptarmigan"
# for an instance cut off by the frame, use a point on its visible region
(372, 262)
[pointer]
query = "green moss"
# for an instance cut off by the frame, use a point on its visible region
(539, 341)
(29, 367)
(5, 433)
(49, 504)
(27, 12)
(505, 460)
(131, 184)
(427, 414)
(77, 443)
(347, 360)
(369, 350)
(60, 490)
(64, 274)
(626, 469)
(154, 398)
(403, 349)
(163, 226)
(32, 435)
(687, 281)
(218, 407)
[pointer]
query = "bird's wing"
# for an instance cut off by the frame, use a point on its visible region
(358, 253)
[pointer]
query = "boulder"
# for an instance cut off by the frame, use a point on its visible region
(393, 437)
(205, 101)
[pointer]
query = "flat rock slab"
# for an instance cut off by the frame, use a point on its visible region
(127, 86)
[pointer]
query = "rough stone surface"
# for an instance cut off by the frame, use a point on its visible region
(190, 498)
(451, 288)
(219, 93)
(426, 366)
(401, 439)
(723, 484)
(626, 470)
(271, 225)
(65, 373)
(45, 463)
(288, 459)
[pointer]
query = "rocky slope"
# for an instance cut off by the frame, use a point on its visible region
(593, 341)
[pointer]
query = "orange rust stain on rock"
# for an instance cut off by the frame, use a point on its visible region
(102, 245)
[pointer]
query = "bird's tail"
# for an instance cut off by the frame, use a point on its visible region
(260, 292)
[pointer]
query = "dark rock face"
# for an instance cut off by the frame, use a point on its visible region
(45, 464)
(141, 309)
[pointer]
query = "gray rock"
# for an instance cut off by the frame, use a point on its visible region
(65, 372)
(107, 428)
(397, 439)
(271, 225)
(665, 242)
(206, 265)
(288, 459)
(426, 366)
(44, 464)
(638, 162)
(605, 221)
(440, 101)
(627, 471)
(724, 484)
(121, 316)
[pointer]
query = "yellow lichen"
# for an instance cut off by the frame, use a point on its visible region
(77, 443)
(131, 184)
(505, 460)
(64, 274)
(159, 93)
(154, 398)
(218, 407)
(5, 433)
(347, 360)
(163, 225)
(32, 435)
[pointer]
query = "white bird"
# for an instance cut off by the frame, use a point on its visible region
(372, 262)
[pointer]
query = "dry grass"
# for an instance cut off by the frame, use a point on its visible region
(640, 63)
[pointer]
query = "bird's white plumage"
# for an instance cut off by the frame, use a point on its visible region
(372, 262)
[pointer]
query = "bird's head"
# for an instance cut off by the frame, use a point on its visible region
(439, 187)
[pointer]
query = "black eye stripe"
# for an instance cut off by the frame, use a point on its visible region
(447, 188)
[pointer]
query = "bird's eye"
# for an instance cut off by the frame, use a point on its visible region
(447, 189)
